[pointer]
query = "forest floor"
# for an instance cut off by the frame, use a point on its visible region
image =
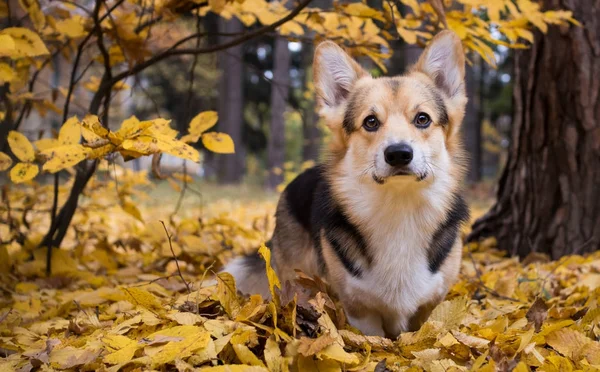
(131, 295)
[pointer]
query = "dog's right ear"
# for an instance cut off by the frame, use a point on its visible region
(335, 73)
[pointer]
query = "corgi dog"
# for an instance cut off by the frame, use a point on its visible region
(379, 219)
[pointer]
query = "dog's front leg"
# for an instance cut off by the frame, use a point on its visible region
(368, 322)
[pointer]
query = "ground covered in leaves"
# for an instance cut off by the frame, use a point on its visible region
(116, 299)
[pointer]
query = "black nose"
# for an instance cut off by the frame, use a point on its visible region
(398, 155)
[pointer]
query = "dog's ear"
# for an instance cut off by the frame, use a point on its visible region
(444, 62)
(335, 73)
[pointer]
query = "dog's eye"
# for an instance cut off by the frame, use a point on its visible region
(371, 123)
(422, 120)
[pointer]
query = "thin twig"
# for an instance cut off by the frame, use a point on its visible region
(175, 257)
(485, 287)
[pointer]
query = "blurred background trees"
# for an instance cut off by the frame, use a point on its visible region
(250, 61)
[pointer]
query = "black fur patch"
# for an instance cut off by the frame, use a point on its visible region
(350, 114)
(329, 217)
(444, 237)
(442, 112)
(299, 195)
(310, 202)
(341, 253)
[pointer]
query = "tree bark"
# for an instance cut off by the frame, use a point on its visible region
(311, 144)
(231, 104)
(472, 123)
(279, 98)
(548, 199)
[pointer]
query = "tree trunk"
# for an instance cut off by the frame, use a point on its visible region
(231, 105)
(548, 199)
(311, 144)
(472, 124)
(279, 98)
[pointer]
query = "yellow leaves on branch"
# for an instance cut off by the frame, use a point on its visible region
(220, 143)
(23, 172)
(19, 42)
(134, 138)
(63, 156)
(20, 146)
(200, 124)
(23, 150)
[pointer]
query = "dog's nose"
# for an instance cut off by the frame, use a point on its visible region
(398, 154)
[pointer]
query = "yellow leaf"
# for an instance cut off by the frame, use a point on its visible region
(227, 294)
(450, 313)
(5, 161)
(271, 275)
(32, 7)
(64, 156)
(186, 318)
(123, 349)
(363, 10)
(291, 27)
(494, 8)
(237, 368)
(185, 340)
(70, 132)
(26, 43)
(92, 124)
(132, 210)
(203, 122)
(71, 27)
(311, 346)
(142, 297)
(408, 35)
(46, 143)
(23, 172)
(132, 127)
(70, 357)
(7, 45)
(7, 73)
(312, 364)
(246, 356)
(273, 356)
(20, 146)
(336, 352)
(568, 342)
(220, 143)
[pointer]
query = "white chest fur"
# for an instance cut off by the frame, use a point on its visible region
(398, 220)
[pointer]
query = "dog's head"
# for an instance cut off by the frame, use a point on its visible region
(395, 128)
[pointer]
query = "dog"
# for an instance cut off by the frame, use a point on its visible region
(379, 219)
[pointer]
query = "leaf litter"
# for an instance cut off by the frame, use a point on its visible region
(127, 295)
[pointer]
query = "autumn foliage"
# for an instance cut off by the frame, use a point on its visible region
(135, 285)
(118, 300)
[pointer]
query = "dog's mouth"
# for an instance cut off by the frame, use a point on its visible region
(399, 173)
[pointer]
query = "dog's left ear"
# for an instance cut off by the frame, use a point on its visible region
(444, 62)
